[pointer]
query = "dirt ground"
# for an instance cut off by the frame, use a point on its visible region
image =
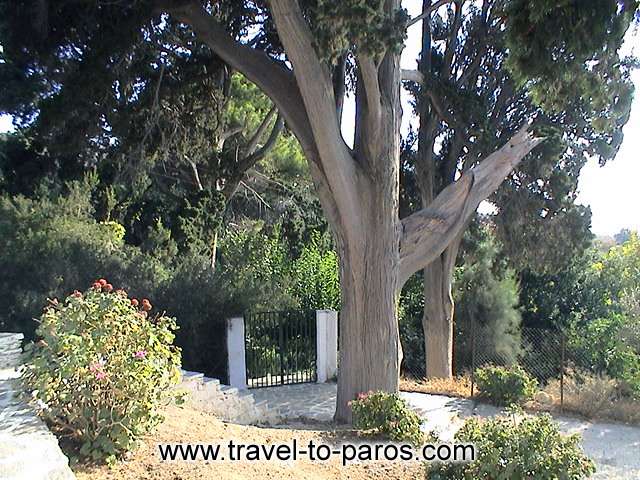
(185, 425)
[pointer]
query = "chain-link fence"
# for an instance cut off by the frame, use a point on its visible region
(553, 357)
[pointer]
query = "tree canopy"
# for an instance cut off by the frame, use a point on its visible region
(77, 73)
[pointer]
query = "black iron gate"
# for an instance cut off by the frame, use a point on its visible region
(280, 348)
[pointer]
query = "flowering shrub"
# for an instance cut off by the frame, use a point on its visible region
(504, 386)
(516, 447)
(103, 367)
(387, 414)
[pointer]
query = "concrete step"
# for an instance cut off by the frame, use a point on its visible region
(188, 376)
(226, 389)
(210, 381)
(262, 404)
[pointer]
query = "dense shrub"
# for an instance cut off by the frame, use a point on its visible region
(316, 283)
(507, 448)
(387, 414)
(50, 246)
(53, 243)
(505, 386)
(605, 346)
(103, 367)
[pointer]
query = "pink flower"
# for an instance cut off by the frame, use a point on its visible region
(362, 395)
(140, 354)
(96, 366)
(101, 375)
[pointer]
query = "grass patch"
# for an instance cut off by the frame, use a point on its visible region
(459, 386)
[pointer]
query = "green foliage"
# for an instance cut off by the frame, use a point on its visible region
(507, 448)
(387, 414)
(505, 386)
(603, 348)
(52, 245)
(102, 369)
(486, 296)
(560, 48)
(340, 25)
(201, 220)
(316, 283)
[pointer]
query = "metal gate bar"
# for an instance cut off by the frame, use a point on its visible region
(280, 348)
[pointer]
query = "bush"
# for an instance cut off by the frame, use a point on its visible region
(605, 346)
(388, 415)
(102, 369)
(50, 246)
(504, 386)
(316, 282)
(507, 448)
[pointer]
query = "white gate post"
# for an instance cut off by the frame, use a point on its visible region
(326, 344)
(236, 353)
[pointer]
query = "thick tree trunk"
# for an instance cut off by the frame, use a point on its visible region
(359, 188)
(369, 338)
(437, 321)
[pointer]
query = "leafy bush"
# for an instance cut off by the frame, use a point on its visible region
(102, 369)
(52, 245)
(603, 346)
(387, 414)
(504, 386)
(507, 448)
(316, 283)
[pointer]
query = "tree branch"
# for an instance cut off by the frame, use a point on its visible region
(271, 77)
(258, 155)
(413, 76)
(316, 87)
(368, 110)
(428, 11)
(255, 139)
(227, 134)
(244, 164)
(429, 231)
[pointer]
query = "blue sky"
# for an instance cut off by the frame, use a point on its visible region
(611, 191)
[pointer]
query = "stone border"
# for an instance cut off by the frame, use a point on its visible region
(28, 450)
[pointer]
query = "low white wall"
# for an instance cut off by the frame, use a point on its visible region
(28, 450)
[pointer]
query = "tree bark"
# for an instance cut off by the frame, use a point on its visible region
(369, 338)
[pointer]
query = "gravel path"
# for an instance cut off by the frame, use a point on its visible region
(614, 447)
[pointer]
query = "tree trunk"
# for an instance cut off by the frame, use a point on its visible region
(369, 338)
(437, 321)
(359, 188)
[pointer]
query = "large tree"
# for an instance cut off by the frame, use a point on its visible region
(302, 55)
(485, 67)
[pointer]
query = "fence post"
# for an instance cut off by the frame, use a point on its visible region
(237, 362)
(473, 355)
(326, 344)
(562, 362)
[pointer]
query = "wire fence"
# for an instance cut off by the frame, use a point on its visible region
(549, 355)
